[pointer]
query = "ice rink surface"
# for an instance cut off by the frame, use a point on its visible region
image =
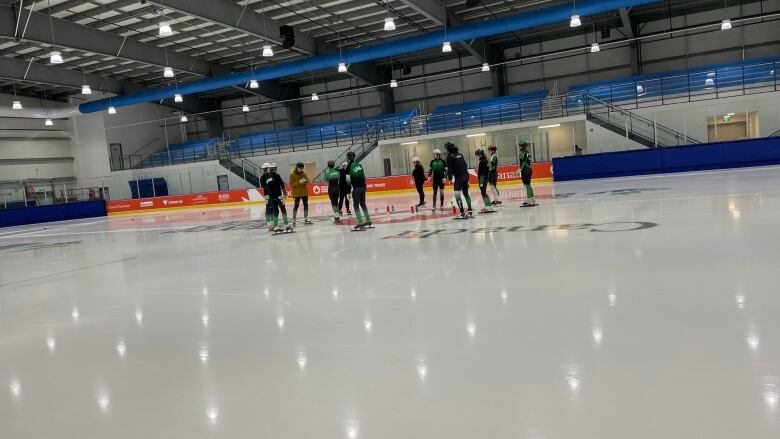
(626, 308)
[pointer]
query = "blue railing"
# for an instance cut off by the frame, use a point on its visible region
(710, 82)
(275, 141)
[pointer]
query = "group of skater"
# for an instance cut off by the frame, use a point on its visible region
(455, 169)
(350, 179)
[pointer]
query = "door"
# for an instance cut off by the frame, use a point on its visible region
(223, 183)
(115, 154)
(388, 168)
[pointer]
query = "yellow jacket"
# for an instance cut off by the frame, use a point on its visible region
(298, 183)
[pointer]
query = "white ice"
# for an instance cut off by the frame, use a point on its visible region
(559, 321)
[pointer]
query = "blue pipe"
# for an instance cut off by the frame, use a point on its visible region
(397, 47)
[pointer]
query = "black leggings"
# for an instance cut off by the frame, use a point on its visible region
(438, 187)
(333, 194)
(359, 200)
(277, 206)
(305, 206)
(525, 175)
(343, 196)
(420, 192)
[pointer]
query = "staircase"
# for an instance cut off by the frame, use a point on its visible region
(632, 126)
(361, 146)
(235, 164)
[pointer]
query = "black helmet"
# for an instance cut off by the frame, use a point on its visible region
(299, 165)
(351, 155)
(331, 163)
(479, 153)
(523, 144)
(450, 147)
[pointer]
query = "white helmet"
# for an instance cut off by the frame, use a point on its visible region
(416, 159)
(266, 165)
(437, 151)
(272, 165)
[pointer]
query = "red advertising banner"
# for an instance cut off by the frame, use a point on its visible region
(380, 184)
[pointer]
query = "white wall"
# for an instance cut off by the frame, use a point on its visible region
(29, 149)
(691, 117)
(603, 140)
(141, 128)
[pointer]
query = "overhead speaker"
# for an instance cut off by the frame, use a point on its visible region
(286, 31)
(288, 36)
(605, 33)
(407, 70)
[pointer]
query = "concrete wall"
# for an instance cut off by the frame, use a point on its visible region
(141, 129)
(29, 149)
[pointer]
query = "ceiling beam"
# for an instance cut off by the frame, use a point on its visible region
(21, 71)
(84, 38)
(230, 14)
(434, 10)
(628, 26)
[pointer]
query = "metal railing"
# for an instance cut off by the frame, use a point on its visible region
(691, 86)
(760, 77)
(361, 146)
(635, 127)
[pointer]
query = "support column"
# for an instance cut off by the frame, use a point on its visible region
(214, 120)
(294, 110)
(497, 72)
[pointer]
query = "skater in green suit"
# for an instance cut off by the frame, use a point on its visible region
(525, 174)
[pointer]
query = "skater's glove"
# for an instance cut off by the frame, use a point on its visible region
(266, 197)
(303, 180)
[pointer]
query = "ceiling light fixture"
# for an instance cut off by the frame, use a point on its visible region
(485, 67)
(16, 105)
(446, 47)
(48, 122)
(725, 24)
(389, 24)
(178, 98)
(165, 29)
(183, 118)
(268, 51)
(168, 72)
(86, 89)
(245, 108)
(254, 84)
(112, 110)
(314, 97)
(393, 83)
(342, 67)
(575, 21)
(55, 57)
(555, 125)
(594, 48)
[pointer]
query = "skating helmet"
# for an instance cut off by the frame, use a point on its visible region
(265, 166)
(272, 167)
(331, 163)
(416, 159)
(351, 155)
(492, 148)
(479, 153)
(299, 165)
(523, 144)
(436, 152)
(450, 147)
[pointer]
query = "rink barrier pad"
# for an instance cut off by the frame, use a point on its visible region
(56, 212)
(687, 158)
